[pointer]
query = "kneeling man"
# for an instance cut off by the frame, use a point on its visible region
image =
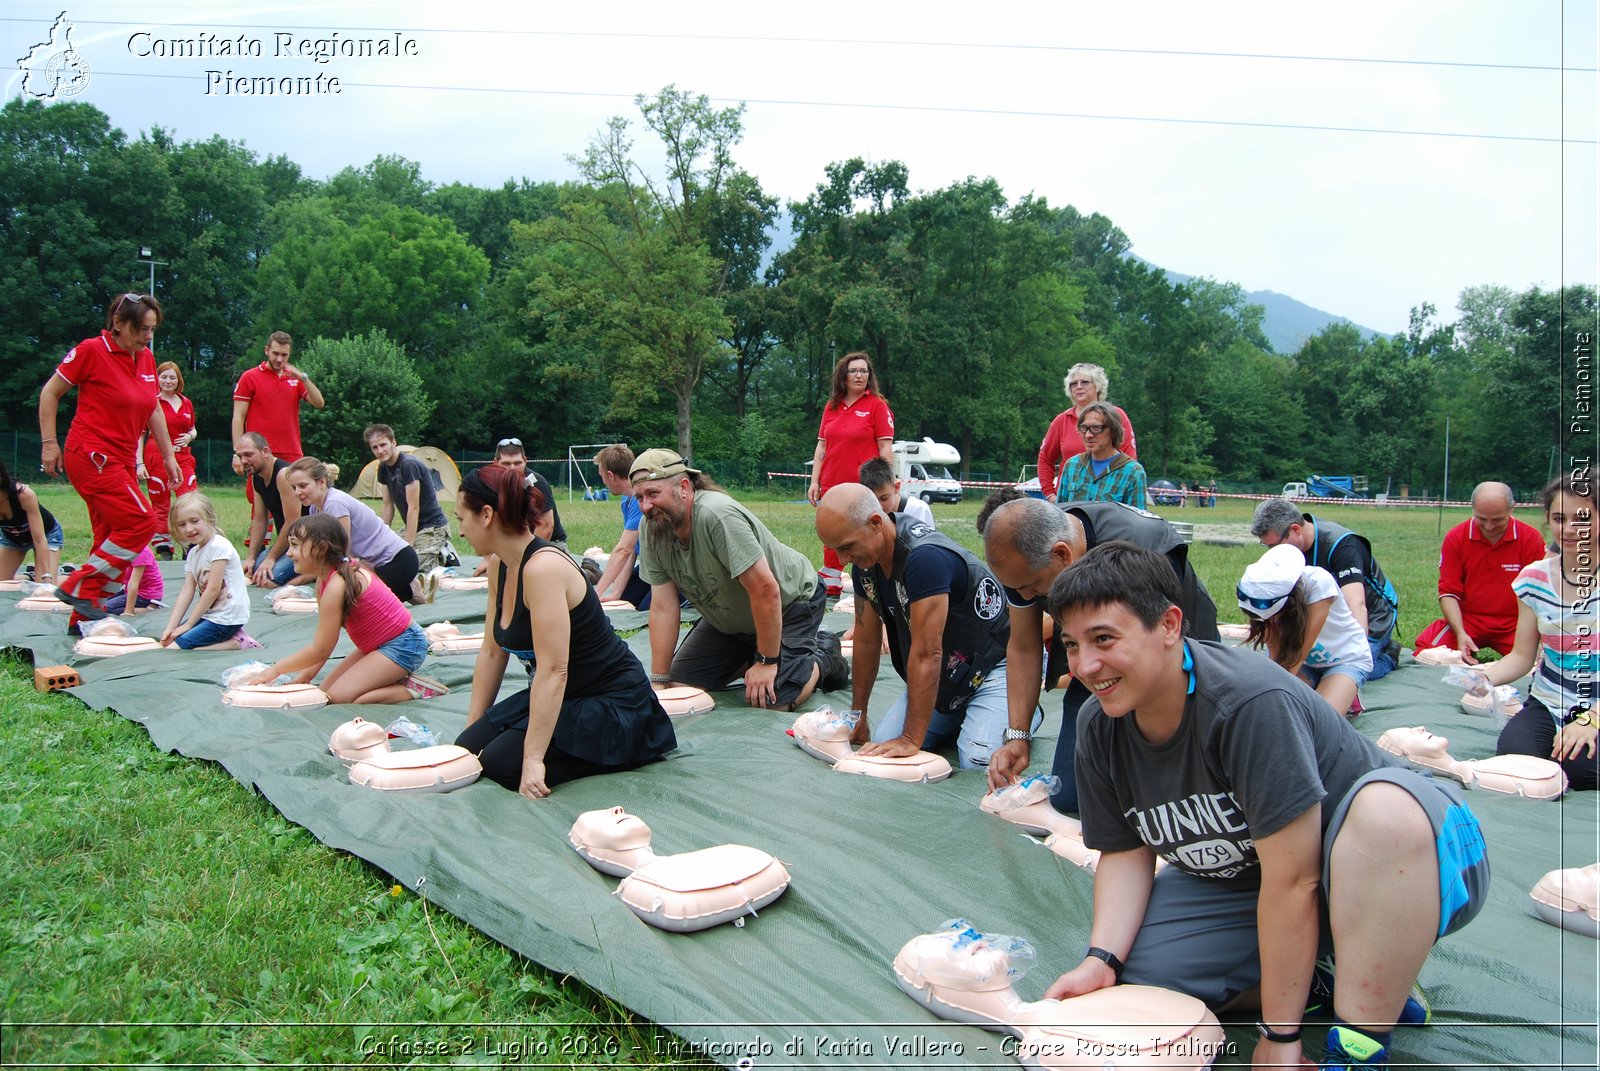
(759, 603)
(946, 619)
(1288, 834)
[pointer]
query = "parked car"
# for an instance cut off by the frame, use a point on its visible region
(1166, 493)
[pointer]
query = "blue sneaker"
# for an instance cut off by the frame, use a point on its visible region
(1348, 1047)
(1319, 1002)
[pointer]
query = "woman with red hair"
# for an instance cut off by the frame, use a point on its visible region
(178, 412)
(589, 708)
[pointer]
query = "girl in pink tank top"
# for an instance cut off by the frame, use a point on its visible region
(389, 645)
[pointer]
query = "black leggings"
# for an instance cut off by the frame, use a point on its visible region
(500, 752)
(398, 572)
(1533, 732)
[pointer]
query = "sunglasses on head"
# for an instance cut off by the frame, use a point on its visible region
(508, 442)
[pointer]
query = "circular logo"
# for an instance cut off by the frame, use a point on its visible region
(989, 600)
(67, 74)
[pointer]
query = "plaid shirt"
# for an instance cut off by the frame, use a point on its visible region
(1123, 481)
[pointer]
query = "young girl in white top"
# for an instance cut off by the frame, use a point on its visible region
(211, 610)
(1298, 614)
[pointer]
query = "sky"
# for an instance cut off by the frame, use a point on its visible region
(1364, 157)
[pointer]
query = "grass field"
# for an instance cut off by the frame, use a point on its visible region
(145, 888)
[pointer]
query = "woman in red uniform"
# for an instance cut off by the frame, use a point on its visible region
(115, 374)
(856, 426)
(178, 411)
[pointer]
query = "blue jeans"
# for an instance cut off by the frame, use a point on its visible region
(977, 730)
(282, 571)
(205, 634)
(1383, 659)
(1065, 799)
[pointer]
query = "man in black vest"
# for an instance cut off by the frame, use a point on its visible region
(1348, 556)
(1028, 543)
(945, 617)
(268, 477)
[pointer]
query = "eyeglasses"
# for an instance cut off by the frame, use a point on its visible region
(508, 442)
(1080, 383)
(1093, 429)
(859, 371)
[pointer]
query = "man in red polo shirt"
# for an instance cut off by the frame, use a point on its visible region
(267, 400)
(1477, 563)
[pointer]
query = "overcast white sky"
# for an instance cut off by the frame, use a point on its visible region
(1220, 165)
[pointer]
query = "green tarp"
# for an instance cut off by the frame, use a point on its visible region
(873, 863)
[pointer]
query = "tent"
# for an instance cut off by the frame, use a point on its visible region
(446, 477)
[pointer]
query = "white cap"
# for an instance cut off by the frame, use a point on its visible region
(1267, 583)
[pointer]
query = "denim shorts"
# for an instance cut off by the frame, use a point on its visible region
(205, 634)
(55, 539)
(1356, 673)
(408, 649)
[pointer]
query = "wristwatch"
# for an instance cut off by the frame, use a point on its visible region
(1109, 958)
(1018, 734)
(1275, 1036)
(1581, 716)
(764, 660)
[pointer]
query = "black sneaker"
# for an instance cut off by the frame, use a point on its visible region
(87, 609)
(835, 668)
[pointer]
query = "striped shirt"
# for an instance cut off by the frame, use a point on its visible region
(1567, 668)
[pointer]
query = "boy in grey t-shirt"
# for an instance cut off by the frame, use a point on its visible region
(1258, 795)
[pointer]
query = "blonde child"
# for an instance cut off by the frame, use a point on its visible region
(389, 645)
(1298, 614)
(211, 610)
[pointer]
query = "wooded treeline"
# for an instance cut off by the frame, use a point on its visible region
(650, 307)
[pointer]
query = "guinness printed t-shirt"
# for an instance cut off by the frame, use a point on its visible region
(1256, 748)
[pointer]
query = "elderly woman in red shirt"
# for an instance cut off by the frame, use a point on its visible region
(1085, 383)
(115, 375)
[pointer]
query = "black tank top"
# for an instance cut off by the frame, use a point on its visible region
(16, 526)
(598, 662)
(267, 491)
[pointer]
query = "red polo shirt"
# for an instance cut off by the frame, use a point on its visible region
(274, 408)
(1479, 574)
(850, 436)
(116, 393)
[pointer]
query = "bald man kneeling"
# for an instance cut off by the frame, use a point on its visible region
(946, 620)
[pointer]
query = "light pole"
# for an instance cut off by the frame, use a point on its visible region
(146, 257)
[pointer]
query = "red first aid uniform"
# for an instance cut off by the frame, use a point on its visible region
(274, 409)
(849, 435)
(116, 393)
(180, 421)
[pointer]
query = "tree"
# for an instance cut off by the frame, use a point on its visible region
(56, 253)
(403, 271)
(1258, 423)
(367, 379)
(640, 266)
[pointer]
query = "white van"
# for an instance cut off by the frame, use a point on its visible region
(922, 469)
